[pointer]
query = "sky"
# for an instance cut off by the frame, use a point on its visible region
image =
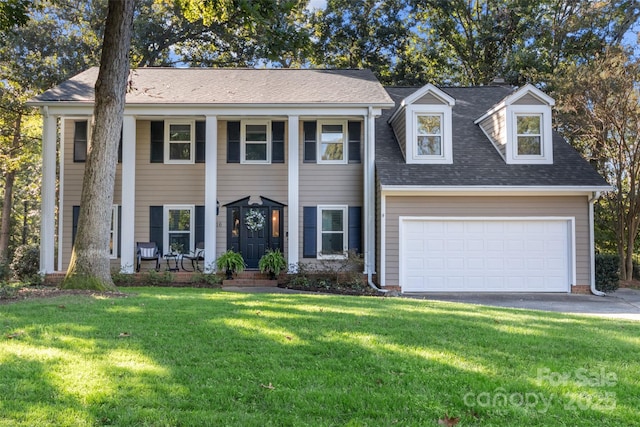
(317, 4)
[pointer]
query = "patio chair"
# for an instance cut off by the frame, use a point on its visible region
(147, 251)
(195, 257)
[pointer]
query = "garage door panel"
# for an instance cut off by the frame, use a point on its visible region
(485, 255)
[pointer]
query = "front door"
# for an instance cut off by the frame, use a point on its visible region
(252, 229)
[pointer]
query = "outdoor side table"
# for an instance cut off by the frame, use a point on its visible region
(172, 261)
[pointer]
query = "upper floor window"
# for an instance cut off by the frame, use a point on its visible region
(332, 141)
(179, 141)
(429, 135)
(113, 233)
(256, 141)
(528, 134)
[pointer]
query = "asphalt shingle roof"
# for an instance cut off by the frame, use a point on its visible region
(232, 86)
(476, 161)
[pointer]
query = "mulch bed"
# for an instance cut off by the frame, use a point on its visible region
(36, 292)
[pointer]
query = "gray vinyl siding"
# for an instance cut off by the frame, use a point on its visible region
(529, 99)
(443, 206)
(72, 189)
(495, 126)
(237, 181)
(428, 99)
(399, 126)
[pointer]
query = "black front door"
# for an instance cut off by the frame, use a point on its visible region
(254, 238)
(252, 229)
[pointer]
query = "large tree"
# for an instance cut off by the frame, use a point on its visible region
(599, 111)
(90, 267)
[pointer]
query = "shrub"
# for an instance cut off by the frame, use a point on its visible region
(26, 264)
(607, 272)
(120, 278)
(154, 278)
(209, 279)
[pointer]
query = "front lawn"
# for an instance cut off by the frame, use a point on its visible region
(203, 357)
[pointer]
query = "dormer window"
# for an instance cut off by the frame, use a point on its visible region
(528, 134)
(520, 127)
(423, 126)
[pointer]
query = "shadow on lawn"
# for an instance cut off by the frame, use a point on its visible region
(200, 356)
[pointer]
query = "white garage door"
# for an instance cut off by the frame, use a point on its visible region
(485, 255)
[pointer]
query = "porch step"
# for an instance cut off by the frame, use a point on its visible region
(251, 283)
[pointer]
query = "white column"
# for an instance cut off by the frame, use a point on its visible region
(48, 195)
(128, 225)
(369, 193)
(293, 223)
(61, 155)
(211, 193)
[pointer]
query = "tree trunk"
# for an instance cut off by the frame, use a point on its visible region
(90, 265)
(7, 202)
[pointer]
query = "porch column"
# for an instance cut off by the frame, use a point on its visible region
(128, 225)
(293, 223)
(48, 193)
(369, 193)
(211, 193)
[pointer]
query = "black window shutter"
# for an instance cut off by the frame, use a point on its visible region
(156, 218)
(199, 229)
(157, 142)
(233, 142)
(74, 229)
(355, 229)
(80, 141)
(120, 148)
(201, 140)
(355, 140)
(309, 136)
(277, 142)
(119, 230)
(309, 233)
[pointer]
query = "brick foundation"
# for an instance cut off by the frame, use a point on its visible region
(581, 289)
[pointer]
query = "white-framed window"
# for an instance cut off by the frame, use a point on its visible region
(528, 131)
(179, 141)
(332, 141)
(429, 134)
(256, 141)
(178, 228)
(113, 233)
(332, 231)
(529, 136)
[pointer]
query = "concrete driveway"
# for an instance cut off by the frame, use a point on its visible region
(622, 304)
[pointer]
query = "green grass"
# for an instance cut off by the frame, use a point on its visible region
(203, 357)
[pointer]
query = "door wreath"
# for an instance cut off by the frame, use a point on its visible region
(254, 220)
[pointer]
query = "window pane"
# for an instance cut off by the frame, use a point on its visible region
(529, 145)
(275, 223)
(332, 151)
(179, 151)
(332, 134)
(332, 244)
(429, 146)
(180, 132)
(180, 242)
(429, 125)
(256, 152)
(235, 231)
(332, 220)
(256, 133)
(528, 125)
(179, 219)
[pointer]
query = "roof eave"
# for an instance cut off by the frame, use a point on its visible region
(494, 189)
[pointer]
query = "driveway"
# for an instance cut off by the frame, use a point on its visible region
(622, 304)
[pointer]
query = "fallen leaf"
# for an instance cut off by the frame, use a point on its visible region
(449, 421)
(124, 335)
(288, 337)
(270, 387)
(62, 306)
(15, 335)
(258, 312)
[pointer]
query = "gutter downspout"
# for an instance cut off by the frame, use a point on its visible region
(369, 198)
(592, 245)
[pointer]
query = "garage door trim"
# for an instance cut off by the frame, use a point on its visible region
(571, 240)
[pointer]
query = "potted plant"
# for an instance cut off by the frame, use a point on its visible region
(272, 262)
(231, 262)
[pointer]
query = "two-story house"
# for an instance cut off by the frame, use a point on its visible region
(456, 189)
